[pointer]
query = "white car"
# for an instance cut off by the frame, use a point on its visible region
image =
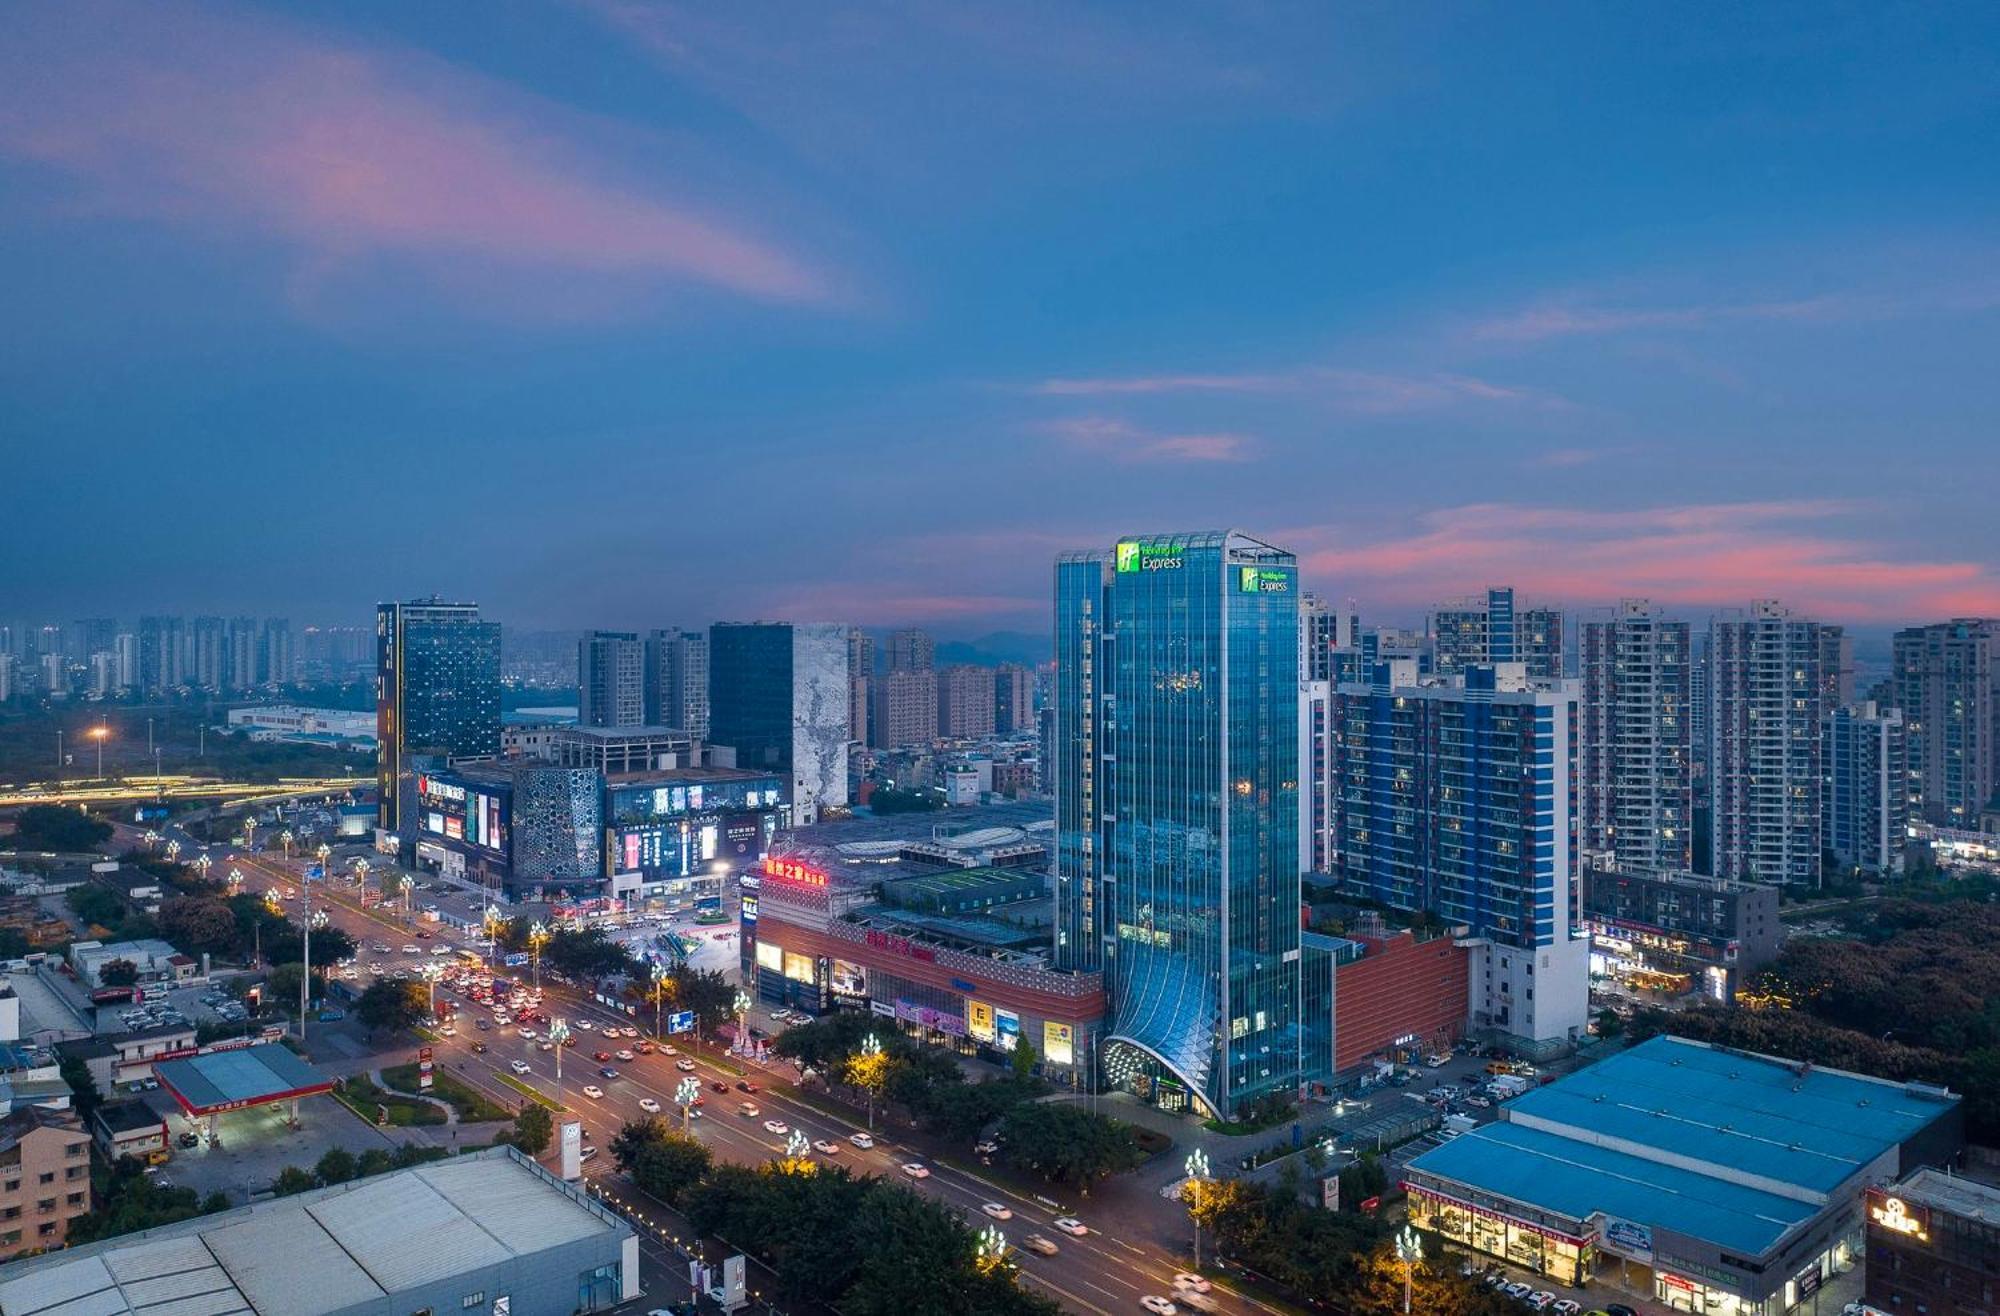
(776, 1126)
(998, 1210)
(594, 1092)
(825, 1148)
(650, 1106)
(528, 1033)
(518, 1066)
(916, 1171)
(1192, 1282)
(1540, 1300)
(1158, 1306)
(1072, 1226)
(685, 1065)
(1036, 1243)
(668, 1051)
(625, 1054)
(861, 1140)
(585, 1025)
(412, 949)
(449, 1030)
(1565, 1307)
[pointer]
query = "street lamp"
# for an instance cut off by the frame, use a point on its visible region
(286, 837)
(1197, 1172)
(202, 864)
(559, 1038)
(660, 976)
(250, 833)
(323, 852)
(741, 1006)
(538, 937)
(1409, 1251)
(992, 1249)
(361, 867)
(797, 1146)
(235, 880)
(685, 1096)
(430, 973)
(492, 924)
(871, 1051)
(98, 734)
(408, 884)
(173, 852)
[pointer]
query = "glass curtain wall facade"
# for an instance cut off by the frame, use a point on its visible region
(1176, 761)
(437, 689)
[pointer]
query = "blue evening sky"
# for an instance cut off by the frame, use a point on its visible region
(616, 312)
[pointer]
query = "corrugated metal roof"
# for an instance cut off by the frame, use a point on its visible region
(318, 1252)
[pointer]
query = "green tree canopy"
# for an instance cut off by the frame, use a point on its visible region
(1066, 1143)
(56, 827)
(388, 1006)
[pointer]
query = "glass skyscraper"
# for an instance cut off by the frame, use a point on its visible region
(1175, 765)
(778, 694)
(437, 690)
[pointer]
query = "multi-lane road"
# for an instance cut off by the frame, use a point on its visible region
(1097, 1272)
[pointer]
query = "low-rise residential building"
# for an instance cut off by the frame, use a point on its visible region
(1679, 932)
(44, 1179)
(128, 1128)
(153, 960)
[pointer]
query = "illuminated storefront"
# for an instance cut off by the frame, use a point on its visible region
(1566, 1257)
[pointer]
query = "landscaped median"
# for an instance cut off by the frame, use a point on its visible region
(472, 1106)
(359, 1094)
(527, 1091)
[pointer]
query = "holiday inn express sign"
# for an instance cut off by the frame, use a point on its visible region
(1136, 556)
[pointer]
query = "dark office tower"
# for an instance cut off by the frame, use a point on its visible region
(1013, 699)
(778, 695)
(912, 651)
(437, 690)
(1948, 685)
(160, 654)
(677, 681)
(965, 699)
(1768, 705)
(274, 641)
(611, 680)
(1176, 773)
(860, 681)
(93, 635)
(1638, 794)
(208, 654)
(246, 654)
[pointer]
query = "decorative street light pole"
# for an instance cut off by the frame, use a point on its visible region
(98, 733)
(992, 1248)
(559, 1036)
(538, 937)
(741, 1005)
(871, 1047)
(1197, 1172)
(286, 837)
(173, 852)
(660, 975)
(250, 833)
(361, 867)
(430, 973)
(1409, 1251)
(493, 923)
(202, 864)
(409, 886)
(685, 1096)
(797, 1146)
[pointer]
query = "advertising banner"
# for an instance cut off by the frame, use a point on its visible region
(1627, 1239)
(979, 1021)
(1058, 1043)
(572, 1149)
(1008, 1025)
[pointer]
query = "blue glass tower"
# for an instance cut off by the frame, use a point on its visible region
(1175, 762)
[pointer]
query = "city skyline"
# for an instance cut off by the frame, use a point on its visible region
(1360, 279)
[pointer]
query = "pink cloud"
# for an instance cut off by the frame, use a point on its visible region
(864, 606)
(1366, 392)
(1123, 441)
(226, 121)
(1695, 556)
(1571, 319)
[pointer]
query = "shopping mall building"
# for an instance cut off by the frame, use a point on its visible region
(1706, 1179)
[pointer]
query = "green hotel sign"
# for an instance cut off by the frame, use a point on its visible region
(1262, 580)
(1135, 556)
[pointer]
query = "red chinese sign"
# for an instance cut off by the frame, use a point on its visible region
(901, 946)
(791, 870)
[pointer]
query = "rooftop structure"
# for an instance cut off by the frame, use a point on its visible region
(490, 1223)
(218, 1081)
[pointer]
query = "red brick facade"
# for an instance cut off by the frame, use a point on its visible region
(1401, 987)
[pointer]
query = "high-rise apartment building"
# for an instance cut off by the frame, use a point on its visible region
(778, 695)
(1457, 796)
(610, 680)
(1476, 631)
(1175, 759)
(209, 654)
(1867, 796)
(276, 665)
(125, 656)
(911, 651)
(93, 635)
(1768, 702)
(437, 691)
(1323, 628)
(906, 708)
(245, 663)
(677, 681)
(965, 701)
(1947, 682)
(860, 680)
(1637, 787)
(1013, 699)
(1317, 793)
(162, 645)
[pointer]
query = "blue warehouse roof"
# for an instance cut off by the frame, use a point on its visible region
(1716, 1144)
(246, 1076)
(1577, 1179)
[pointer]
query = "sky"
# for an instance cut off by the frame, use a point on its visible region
(613, 312)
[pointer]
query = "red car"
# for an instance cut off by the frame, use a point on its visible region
(718, 1087)
(600, 1056)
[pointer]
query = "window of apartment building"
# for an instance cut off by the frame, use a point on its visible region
(75, 1199)
(10, 1238)
(76, 1172)
(48, 1230)
(47, 1177)
(14, 1185)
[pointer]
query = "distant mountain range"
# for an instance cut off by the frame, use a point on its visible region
(1026, 647)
